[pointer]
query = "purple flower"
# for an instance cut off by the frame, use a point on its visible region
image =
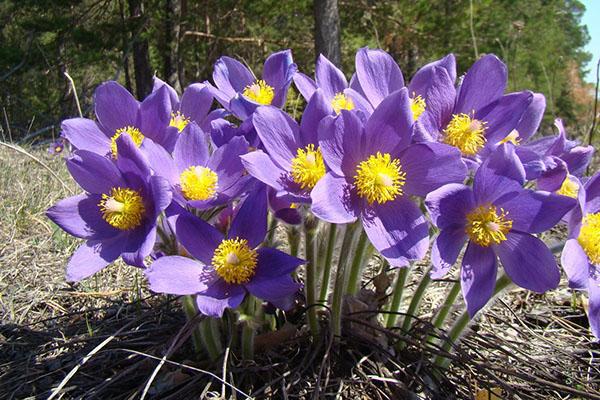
(240, 92)
(56, 147)
(283, 208)
(581, 255)
(336, 92)
(118, 112)
(194, 106)
(229, 266)
(197, 178)
(293, 163)
(374, 172)
(497, 218)
(117, 214)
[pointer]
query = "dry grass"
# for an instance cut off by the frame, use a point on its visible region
(526, 346)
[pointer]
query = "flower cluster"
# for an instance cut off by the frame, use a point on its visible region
(186, 191)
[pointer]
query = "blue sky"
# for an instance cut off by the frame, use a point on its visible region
(591, 18)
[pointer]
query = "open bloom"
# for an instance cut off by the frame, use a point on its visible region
(197, 178)
(240, 92)
(119, 113)
(56, 147)
(293, 163)
(229, 266)
(497, 218)
(194, 106)
(117, 214)
(374, 171)
(581, 255)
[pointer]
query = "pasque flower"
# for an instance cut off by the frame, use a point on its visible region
(227, 267)
(498, 218)
(581, 255)
(117, 214)
(374, 171)
(119, 113)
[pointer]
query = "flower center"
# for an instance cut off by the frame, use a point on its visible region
(379, 178)
(235, 261)
(260, 92)
(485, 227)
(308, 167)
(465, 133)
(133, 132)
(569, 188)
(589, 237)
(342, 102)
(512, 137)
(417, 106)
(179, 121)
(199, 183)
(123, 208)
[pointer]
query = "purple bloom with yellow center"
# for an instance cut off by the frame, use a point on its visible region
(118, 113)
(293, 162)
(581, 255)
(498, 218)
(197, 178)
(194, 106)
(56, 147)
(230, 266)
(240, 92)
(117, 214)
(374, 172)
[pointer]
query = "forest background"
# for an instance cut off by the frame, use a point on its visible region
(541, 41)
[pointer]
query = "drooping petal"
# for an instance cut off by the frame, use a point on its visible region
(231, 76)
(250, 220)
(496, 179)
(92, 256)
(449, 205)
(94, 173)
(260, 166)
(116, 108)
(528, 262)
(278, 71)
(176, 275)
(273, 263)
(329, 78)
(139, 244)
(305, 85)
(278, 133)
(85, 134)
(504, 115)
(215, 308)
(378, 74)
(80, 216)
(445, 250)
(389, 128)
(483, 84)
(191, 148)
(578, 159)
(130, 159)
(576, 264)
(275, 289)
(531, 119)
(199, 238)
(333, 200)
(478, 276)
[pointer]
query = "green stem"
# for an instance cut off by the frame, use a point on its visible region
(458, 329)
(189, 307)
(416, 300)
(340, 278)
(294, 240)
(442, 314)
(271, 232)
(394, 308)
(361, 256)
(248, 331)
(210, 337)
(326, 277)
(310, 285)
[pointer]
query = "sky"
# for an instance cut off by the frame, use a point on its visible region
(591, 18)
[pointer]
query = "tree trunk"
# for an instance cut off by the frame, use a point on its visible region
(171, 44)
(327, 30)
(141, 57)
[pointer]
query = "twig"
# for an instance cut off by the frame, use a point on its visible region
(472, 28)
(7, 125)
(595, 115)
(74, 93)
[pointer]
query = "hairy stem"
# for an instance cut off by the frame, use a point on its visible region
(361, 256)
(396, 301)
(416, 300)
(310, 285)
(191, 312)
(326, 277)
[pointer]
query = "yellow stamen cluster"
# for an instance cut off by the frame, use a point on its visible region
(417, 106)
(485, 227)
(569, 188)
(133, 132)
(379, 178)
(198, 183)
(308, 167)
(235, 261)
(512, 137)
(465, 133)
(342, 102)
(260, 92)
(589, 237)
(179, 121)
(123, 208)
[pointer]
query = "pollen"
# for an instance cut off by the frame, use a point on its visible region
(379, 178)
(465, 133)
(486, 227)
(123, 208)
(235, 261)
(342, 102)
(308, 167)
(179, 121)
(199, 183)
(589, 237)
(260, 92)
(512, 137)
(417, 106)
(133, 132)
(569, 188)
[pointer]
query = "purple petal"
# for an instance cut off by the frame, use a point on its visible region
(226, 162)
(378, 74)
(85, 134)
(273, 289)
(260, 166)
(80, 216)
(398, 230)
(528, 262)
(92, 256)
(483, 84)
(495, 179)
(199, 238)
(115, 107)
(437, 89)
(329, 78)
(273, 263)
(130, 159)
(390, 125)
(594, 306)
(531, 119)
(447, 63)
(341, 142)
(155, 114)
(231, 76)
(503, 116)
(305, 85)
(478, 276)
(214, 307)
(139, 245)
(196, 102)
(278, 71)
(332, 200)
(94, 173)
(445, 250)
(316, 109)
(449, 205)
(161, 161)
(592, 192)
(578, 159)
(176, 275)
(157, 83)
(554, 176)
(278, 133)
(250, 221)
(191, 148)
(576, 264)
